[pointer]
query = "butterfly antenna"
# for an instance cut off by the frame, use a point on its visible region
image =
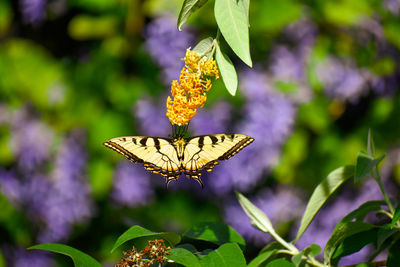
(200, 182)
(167, 182)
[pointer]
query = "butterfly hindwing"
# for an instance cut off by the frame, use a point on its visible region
(203, 152)
(157, 154)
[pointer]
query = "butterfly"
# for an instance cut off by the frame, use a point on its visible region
(172, 156)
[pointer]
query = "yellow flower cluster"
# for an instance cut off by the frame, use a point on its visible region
(190, 92)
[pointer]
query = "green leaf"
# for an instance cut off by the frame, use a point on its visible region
(215, 232)
(296, 259)
(261, 258)
(365, 165)
(226, 255)
(396, 216)
(204, 46)
(360, 213)
(188, 7)
(370, 144)
(186, 246)
(79, 258)
(184, 257)
(354, 243)
(393, 259)
(280, 263)
(321, 194)
(246, 7)
(232, 22)
(383, 235)
(346, 230)
(137, 232)
(315, 250)
(364, 264)
(228, 72)
(257, 218)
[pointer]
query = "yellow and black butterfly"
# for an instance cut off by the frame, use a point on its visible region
(172, 156)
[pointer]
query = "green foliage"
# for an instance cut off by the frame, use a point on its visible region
(393, 259)
(205, 46)
(280, 263)
(79, 258)
(360, 213)
(321, 194)
(226, 255)
(233, 24)
(184, 257)
(257, 218)
(217, 233)
(365, 165)
(396, 216)
(136, 232)
(228, 72)
(188, 7)
(261, 258)
(348, 230)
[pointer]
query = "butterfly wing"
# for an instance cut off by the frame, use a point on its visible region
(157, 154)
(204, 152)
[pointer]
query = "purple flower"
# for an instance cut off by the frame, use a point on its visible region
(132, 186)
(10, 186)
(281, 205)
(289, 66)
(268, 118)
(23, 258)
(56, 201)
(286, 65)
(33, 11)
(393, 6)
(151, 117)
(69, 201)
(343, 80)
(213, 120)
(31, 140)
(167, 46)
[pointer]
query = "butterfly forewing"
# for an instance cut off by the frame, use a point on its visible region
(203, 152)
(157, 154)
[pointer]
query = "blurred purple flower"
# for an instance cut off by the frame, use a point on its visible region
(10, 186)
(69, 201)
(343, 81)
(167, 46)
(281, 206)
(213, 120)
(22, 258)
(132, 186)
(302, 34)
(59, 200)
(151, 117)
(393, 6)
(33, 11)
(31, 139)
(268, 118)
(286, 65)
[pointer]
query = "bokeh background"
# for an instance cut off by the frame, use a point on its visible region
(74, 73)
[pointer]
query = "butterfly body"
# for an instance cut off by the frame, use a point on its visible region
(171, 157)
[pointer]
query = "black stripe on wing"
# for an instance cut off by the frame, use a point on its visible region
(116, 147)
(236, 148)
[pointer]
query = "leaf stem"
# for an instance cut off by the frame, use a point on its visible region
(308, 258)
(378, 180)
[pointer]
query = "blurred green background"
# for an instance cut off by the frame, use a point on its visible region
(75, 73)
